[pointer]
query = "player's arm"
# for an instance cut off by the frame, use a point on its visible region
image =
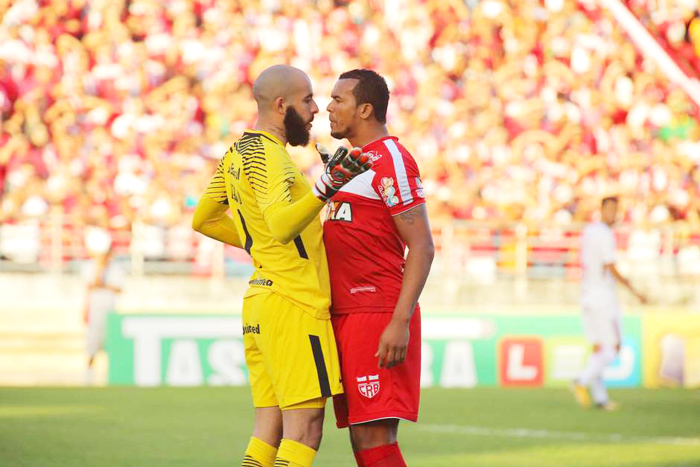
(286, 219)
(210, 219)
(98, 281)
(113, 288)
(210, 216)
(623, 280)
(414, 229)
(270, 177)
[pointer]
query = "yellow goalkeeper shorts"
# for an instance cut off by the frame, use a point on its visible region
(291, 356)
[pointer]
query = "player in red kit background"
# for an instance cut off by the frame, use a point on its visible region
(375, 291)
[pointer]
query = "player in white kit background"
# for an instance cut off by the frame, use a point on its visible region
(602, 318)
(105, 280)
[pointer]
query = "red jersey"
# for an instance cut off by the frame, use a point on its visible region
(364, 249)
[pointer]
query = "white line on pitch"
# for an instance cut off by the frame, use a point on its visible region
(549, 434)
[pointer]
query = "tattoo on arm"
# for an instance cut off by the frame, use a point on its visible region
(409, 216)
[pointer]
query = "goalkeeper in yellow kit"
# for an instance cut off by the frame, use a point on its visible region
(274, 214)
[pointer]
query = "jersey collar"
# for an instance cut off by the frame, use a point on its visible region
(267, 135)
(377, 141)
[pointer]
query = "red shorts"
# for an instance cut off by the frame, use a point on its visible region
(373, 393)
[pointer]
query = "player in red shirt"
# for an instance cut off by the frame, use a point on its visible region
(375, 291)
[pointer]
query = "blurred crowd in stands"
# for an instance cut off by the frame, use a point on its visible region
(115, 111)
(676, 24)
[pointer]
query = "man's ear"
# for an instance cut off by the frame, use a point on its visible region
(365, 111)
(280, 106)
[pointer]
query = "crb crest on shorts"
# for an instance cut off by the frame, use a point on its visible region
(368, 385)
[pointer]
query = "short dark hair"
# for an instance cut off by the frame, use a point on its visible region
(370, 89)
(609, 199)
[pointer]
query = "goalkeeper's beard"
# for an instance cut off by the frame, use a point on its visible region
(295, 128)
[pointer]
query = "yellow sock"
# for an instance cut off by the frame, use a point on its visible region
(293, 454)
(259, 454)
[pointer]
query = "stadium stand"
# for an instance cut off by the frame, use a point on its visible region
(114, 113)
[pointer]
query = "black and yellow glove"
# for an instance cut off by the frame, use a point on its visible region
(344, 165)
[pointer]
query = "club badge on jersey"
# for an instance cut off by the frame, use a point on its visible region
(388, 192)
(368, 385)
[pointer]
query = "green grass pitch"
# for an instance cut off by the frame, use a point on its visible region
(478, 427)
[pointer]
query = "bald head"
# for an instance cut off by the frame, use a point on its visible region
(279, 81)
(286, 105)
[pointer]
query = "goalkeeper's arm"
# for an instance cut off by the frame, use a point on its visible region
(287, 221)
(210, 219)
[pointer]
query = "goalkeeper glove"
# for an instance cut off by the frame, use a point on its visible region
(340, 168)
(328, 159)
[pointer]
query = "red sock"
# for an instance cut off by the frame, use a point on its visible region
(388, 455)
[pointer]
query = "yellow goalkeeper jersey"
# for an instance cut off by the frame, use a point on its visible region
(255, 174)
